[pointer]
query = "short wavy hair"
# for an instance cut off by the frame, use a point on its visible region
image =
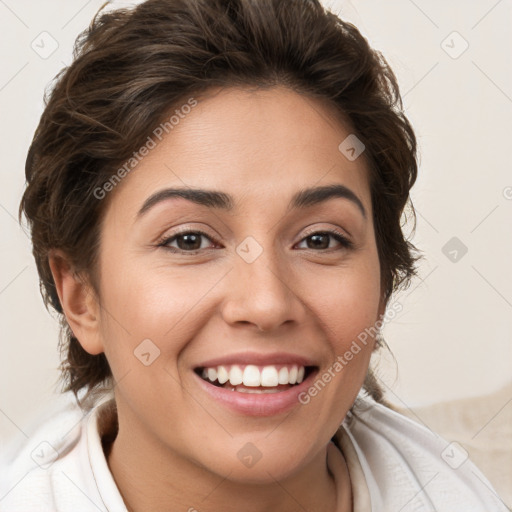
(133, 66)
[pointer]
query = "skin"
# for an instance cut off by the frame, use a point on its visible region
(177, 448)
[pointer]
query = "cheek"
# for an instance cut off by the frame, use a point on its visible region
(348, 299)
(346, 304)
(160, 304)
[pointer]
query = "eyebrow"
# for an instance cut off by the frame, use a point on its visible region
(220, 200)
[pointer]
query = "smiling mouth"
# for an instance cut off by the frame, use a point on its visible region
(255, 379)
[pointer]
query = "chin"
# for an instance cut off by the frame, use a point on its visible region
(258, 462)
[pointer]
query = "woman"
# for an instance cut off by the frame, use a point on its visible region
(215, 192)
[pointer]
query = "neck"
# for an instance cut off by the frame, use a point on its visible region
(153, 477)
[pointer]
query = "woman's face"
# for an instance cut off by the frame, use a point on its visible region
(258, 286)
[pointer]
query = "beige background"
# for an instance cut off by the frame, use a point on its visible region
(452, 340)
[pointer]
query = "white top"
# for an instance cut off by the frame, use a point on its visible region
(394, 464)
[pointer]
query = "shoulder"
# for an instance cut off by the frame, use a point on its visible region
(409, 467)
(49, 469)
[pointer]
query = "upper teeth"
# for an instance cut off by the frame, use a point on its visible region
(254, 376)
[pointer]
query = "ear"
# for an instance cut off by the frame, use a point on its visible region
(78, 301)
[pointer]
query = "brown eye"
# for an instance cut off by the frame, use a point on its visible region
(187, 241)
(320, 240)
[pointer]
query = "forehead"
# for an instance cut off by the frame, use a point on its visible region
(259, 146)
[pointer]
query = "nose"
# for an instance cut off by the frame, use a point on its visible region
(263, 293)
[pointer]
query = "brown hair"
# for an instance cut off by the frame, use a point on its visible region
(131, 67)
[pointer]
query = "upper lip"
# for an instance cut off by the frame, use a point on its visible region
(257, 359)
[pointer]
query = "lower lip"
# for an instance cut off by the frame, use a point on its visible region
(257, 404)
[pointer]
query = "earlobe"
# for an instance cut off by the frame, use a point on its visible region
(78, 302)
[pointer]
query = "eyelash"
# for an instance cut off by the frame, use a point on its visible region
(338, 236)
